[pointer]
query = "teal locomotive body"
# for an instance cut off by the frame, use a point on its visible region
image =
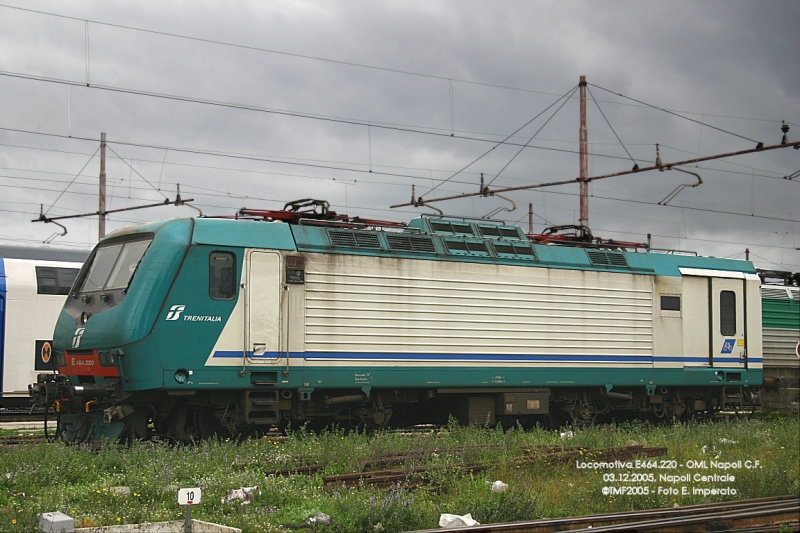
(193, 327)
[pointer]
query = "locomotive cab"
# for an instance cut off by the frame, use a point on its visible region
(112, 305)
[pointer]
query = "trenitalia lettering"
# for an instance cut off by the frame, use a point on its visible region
(176, 313)
(205, 318)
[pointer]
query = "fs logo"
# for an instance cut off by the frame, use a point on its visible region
(76, 340)
(175, 312)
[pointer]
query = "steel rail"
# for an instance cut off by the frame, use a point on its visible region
(718, 516)
(12, 441)
(733, 520)
(21, 417)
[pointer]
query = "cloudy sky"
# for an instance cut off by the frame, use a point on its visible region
(254, 104)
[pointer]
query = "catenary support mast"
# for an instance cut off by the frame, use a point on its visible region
(584, 159)
(102, 205)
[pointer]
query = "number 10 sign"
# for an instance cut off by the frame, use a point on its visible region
(191, 496)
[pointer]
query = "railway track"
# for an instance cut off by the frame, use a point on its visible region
(19, 416)
(7, 441)
(416, 475)
(761, 514)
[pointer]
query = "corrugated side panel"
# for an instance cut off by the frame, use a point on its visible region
(780, 310)
(387, 305)
(779, 347)
(780, 313)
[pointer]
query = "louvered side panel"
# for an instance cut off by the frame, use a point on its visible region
(367, 304)
(781, 313)
(779, 347)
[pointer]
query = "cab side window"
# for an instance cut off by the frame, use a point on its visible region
(222, 275)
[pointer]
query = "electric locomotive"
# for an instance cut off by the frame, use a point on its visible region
(193, 327)
(780, 301)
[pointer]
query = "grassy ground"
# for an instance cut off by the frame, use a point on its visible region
(136, 483)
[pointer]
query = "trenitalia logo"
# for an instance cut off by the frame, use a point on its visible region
(76, 340)
(175, 312)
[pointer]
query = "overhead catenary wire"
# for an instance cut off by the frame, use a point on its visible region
(251, 157)
(765, 259)
(296, 114)
(547, 222)
(776, 175)
(720, 211)
(657, 166)
(227, 155)
(216, 154)
(222, 194)
(673, 113)
(703, 209)
(698, 239)
(341, 62)
(534, 135)
(277, 52)
(205, 191)
(137, 173)
(232, 155)
(73, 180)
(624, 200)
(571, 91)
(611, 127)
(236, 156)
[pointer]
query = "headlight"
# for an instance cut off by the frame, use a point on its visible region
(107, 358)
(181, 377)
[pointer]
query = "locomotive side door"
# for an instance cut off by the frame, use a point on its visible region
(727, 325)
(262, 309)
(714, 318)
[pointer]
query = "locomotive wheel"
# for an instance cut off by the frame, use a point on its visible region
(208, 427)
(557, 417)
(135, 426)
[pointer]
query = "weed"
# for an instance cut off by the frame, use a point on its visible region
(138, 482)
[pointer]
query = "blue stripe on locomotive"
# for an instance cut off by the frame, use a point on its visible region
(489, 358)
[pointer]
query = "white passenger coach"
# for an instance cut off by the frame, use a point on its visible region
(34, 283)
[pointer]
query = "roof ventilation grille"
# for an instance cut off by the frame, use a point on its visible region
(407, 243)
(603, 258)
(352, 239)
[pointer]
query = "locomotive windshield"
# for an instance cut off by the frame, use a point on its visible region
(113, 266)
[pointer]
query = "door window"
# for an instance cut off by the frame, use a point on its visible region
(727, 313)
